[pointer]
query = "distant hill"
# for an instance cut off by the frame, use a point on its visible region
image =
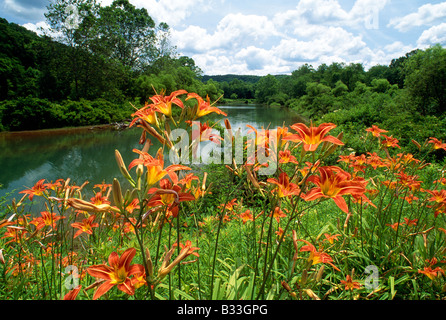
(230, 77)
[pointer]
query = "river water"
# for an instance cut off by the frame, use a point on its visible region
(88, 154)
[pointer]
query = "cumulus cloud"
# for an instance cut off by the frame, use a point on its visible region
(173, 12)
(433, 35)
(425, 15)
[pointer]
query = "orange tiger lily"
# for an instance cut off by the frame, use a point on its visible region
(86, 226)
(317, 256)
(284, 186)
(117, 274)
(155, 167)
(168, 194)
(204, 107)
(37, 190)
(312, 137)
(147, 113)
(375, 131)
(163, 104)
(333, 183)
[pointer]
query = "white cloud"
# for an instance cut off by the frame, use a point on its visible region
(425, 15)
(40, 27)
(364, 13)
(233, 31)
(433, 35)
(173, 12)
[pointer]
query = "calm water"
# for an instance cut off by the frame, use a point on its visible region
(85, 154)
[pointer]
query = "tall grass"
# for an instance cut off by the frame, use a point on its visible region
(325, 225)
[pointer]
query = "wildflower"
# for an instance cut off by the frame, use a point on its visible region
(163, 104)
(168, 194)
(438, 196)
(86, 226)
(432, 273)
(117, 274)
(350, 284)
(285, 188)
(317, 256)
(279, 233)
(394, 226)
(409, 181)
(438, 144)
(246, 216)
(313, 136)
(278, 213)
(375, 130)
(132, 206)
(331, 238)
(146, 113)
(73, 293)
(409, 222)
(186, 250)
(374, 160)
(204, 107)
(287, 157)
(333, 183)
(187, 180)
(37, 190)
(98, 199)
(155, 167)
(83, 205)
(388, 142)
(229, 205)
(46, 219)
(16, 233)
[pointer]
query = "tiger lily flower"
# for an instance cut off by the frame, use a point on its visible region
(163, 104)
(186, 250)
(316, 256)
(204, 107)
(168, 194)
(246, 216)
(333, 183)
(147, 113)
(73, 293)
(86, 226)
(390, 142)
(438, 144)
(118, 273)
(286, 157)
(285, 188)
(155, 167)
(312, 137)
(46, 219)
(37, 190)
(375, 131)
(350, 284)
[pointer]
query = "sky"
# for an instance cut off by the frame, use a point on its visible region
(260, 37)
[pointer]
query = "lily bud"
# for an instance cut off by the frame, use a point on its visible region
(117, 194)
(320, 273)
(122, 167)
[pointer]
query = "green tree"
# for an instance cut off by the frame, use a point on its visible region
(129, 33)
(426, 79)
(266, 87)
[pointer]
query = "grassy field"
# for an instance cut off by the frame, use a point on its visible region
(328, 224)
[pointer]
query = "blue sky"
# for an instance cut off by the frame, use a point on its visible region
(262, 36)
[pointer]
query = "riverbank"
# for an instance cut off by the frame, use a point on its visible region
(65, 130)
